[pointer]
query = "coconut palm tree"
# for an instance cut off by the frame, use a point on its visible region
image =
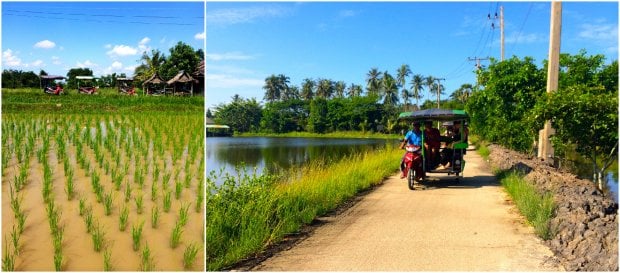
(149, 65)
(373, 81)
(417, 85)
(354, 90)
(464, 92)
(389, 89)
(339, 88)
(401, 79)
(272, 88)
(324, 88)
(307, 88)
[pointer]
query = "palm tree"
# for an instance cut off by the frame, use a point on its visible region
(307, 88)
(339, 88)
(417, 85)
(389, 89)
(325, 88)
(149, 65)
(272, 89)
(354, 90)
(401, 79)
(373, 81)
(466, 89)
(290, 93)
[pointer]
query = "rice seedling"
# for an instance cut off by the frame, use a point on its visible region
(136, 235)
(58, 260)
(89, 220)
(8, 261)
(189, 255)
(122, 218)
(117, 179)
(154, 192)
(200, 197)
(16, 200)
(146, 262)
(15, 236)
(183, 214)
(139, 203)
(127, 192)
(57, 238)
(175, 238)
(98, 237)
(178, 189)
(107, 260)
(21, 221)
(187, 181)
(166, 180)
(154, 216)
(82, 206)
(69, 186)
(167, 201)
(139, 176)
(107, 203)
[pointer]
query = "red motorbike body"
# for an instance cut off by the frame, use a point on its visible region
(412, 159)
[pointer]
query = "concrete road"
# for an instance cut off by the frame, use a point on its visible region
(443, 226)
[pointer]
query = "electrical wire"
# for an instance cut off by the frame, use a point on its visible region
(522, 25)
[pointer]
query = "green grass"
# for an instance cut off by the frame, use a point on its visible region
(189, 256)
(247, 214)
(344, 134)
(35, 101)
(537, 208)
(482, 146)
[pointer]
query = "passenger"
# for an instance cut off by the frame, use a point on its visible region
(432, 143)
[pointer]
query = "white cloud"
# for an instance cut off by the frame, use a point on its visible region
(229, 81)
(8, 59)
(56, 60)
(38, 63)
(347, 13)
(86, 64)
(200, 36)
(243, 15)
(117, 65)
(130, 68)
(47, 44)
(236, 56)
(122, 50)
(600, 32)
(145, 40)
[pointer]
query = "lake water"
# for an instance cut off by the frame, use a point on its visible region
(274, 153)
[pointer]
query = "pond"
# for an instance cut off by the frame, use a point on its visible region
(273, 153)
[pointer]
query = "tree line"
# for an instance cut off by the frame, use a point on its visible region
(181, 57)
(324, 105)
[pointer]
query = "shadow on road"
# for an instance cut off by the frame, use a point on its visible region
(450, 182)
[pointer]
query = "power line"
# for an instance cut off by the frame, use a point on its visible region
(523, 25)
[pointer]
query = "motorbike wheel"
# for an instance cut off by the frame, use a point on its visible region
(411, 178)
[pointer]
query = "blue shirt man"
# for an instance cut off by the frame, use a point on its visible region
(414, 137)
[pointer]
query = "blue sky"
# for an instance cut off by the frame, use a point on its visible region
(106, 37)
(248, 41)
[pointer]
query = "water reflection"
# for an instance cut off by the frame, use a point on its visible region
(271, 154)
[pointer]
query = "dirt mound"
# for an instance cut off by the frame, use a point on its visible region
(585, 224)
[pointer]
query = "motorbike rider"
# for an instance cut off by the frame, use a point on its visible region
(413, 137)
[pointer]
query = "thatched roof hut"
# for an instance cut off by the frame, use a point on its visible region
(155, 79)
(199, 75)
(179, 83)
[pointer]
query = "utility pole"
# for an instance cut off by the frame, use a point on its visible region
(501, 28)
(545, 149)
(439, 89)
(478, 66)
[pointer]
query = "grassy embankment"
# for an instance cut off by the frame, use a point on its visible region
(538, 208)
(108, 100)
(344, 134)
(247, 213)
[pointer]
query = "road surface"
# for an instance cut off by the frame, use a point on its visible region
(445, 226)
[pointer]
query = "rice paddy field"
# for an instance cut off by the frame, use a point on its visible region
(102, 183)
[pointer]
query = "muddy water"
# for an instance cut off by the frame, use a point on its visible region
(36, 248)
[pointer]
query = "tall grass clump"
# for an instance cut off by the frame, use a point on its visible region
(248, 212)
(537, 208)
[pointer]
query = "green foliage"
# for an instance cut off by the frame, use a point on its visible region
(498, 111)
(284, 116)
(19, 79)
(317, 120)
(243, 115)
(74, 72)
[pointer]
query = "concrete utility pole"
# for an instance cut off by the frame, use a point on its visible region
(545, 149)
(501, 28)
(439, 89)
(478, 66)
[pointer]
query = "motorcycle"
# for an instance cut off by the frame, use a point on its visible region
(411, 165)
